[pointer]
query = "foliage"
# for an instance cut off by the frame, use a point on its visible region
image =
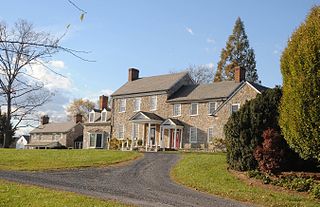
(315, 191)
(218, 144)
(244, 128)
(200, 74)
(3, 119)
(12, 159)
(19, 195)
(270, 155)
(300, 104)
(80, 106)
(208, 173)
(115, 144)
(237, 53)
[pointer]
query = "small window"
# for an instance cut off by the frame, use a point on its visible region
(210, 134)
(122, 105)
(91, 116)
(104, 116)
(212, 107)
(120, 131)
(194, 109)
(92, 140)
(136, 104)
(235, 107)
(193, 135)
(153, 103)
(135, 130)
(176, 109)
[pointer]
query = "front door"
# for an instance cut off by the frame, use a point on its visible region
(177, 139)
(152, 136)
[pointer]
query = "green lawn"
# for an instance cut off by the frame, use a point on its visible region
(18, 195)
(208, 173)
(12, 159)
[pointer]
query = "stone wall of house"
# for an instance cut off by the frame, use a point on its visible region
(73, 134)
(48, 137)
(97, 128)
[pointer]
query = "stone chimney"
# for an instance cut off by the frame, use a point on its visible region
(103, 102)
(78, 118)
(239, 74)
(133, 74)
(45, 119)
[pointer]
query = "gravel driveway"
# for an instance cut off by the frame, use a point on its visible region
(144, 182)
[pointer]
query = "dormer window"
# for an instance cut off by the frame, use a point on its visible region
(136, 103)
(104, 115)
(91, 116)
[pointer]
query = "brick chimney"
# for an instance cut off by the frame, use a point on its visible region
(103, 102)
(239, 74)
(45, 119)
(133, 74)
(78, 118)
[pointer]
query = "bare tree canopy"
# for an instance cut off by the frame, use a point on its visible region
(201, 74)
(80, 106)
(22, 48)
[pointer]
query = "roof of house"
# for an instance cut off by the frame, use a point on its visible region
(150, 84)
(204, 91)
(27, 137)
(54, 127)
(148, 115)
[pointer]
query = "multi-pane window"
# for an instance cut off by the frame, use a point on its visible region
(176, 109)
(212, 107)
(153, 103)
(235, 107)
(194, 109)
(104, 116)
(91, 116)
(210, 134)
(120, 131)
(96, 140)
(193, 135)
(135, 130)
(122, 105)
(136, 104)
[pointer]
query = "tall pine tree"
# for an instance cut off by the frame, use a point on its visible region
(237, 53)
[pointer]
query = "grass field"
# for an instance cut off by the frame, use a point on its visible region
(33, 160)
(208, 173)
(18, 195)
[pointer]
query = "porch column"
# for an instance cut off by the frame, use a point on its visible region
(175, 138)
(169, 137)
(131, 146)
(144, 133)
(161, 138)
(181, 134)
(155, 138)
(121, 145)
(149, 133)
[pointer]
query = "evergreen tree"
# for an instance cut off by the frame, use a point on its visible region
(237, 53)
(300, 104)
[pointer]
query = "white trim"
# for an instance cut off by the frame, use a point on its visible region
(118, 127)
(105, 118)
(134, 104)
(93, 116)
(234, 104)
(196, 140)
(125, 105)
(176, 115)
(191, 109)
(253, 87)
(156, 103)
(208, 137)
(132, 133)
(95, 140)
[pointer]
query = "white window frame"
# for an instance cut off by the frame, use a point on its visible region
(136, 107)
(122, 105)
(197, 105)
(235, 104)
(174, 110)
(118, 131)
(208, 136)
(209, 107)
(196, 138)
(95, 140)
(153, 105)
(92, 116)
(104, 111)
(135, 132)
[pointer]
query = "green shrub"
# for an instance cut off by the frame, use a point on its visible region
(115, 144)
(315, 191)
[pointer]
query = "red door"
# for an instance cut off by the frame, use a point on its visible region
(172, 139)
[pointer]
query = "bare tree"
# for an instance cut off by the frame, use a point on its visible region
(201, 74)
(80, 106)
(22, 48)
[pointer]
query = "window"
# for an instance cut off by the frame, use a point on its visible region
(212, 107)
(104, 116)
(153, 103)
(194, 109)
(96, 140)
(135, 130)
(136, 104)
(91, 116)
(122, 105)
(56, 137)
(176, 109)
(210, 134)
(120, 131)
(235, 107)
(193, 135)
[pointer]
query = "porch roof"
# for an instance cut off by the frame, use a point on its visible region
(146, 117)
(172, 123)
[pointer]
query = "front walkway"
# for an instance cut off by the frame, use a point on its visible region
(145, 182)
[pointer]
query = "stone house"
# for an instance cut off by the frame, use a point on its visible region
(171, 112)
(97, 130)
(55, 135)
